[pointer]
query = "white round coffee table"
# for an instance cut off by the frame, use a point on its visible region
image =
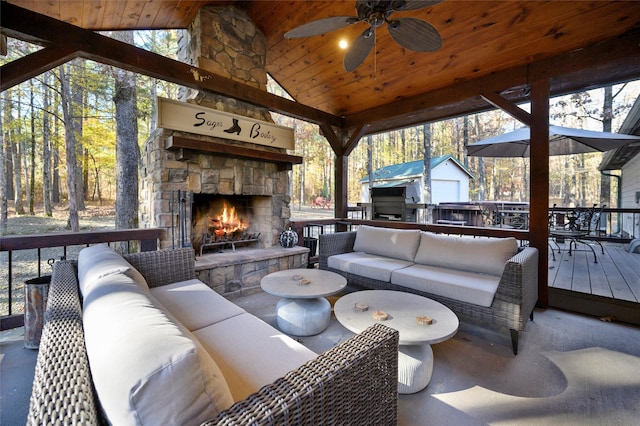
(415, 357)
(303, 309)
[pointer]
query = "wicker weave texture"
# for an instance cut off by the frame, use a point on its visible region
(354, 383)
(62, 390)
(514, 301)
(164, 266)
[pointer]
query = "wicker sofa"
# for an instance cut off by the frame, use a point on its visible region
(488, 281)
(353, 383)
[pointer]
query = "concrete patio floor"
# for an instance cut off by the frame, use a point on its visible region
(570, 369)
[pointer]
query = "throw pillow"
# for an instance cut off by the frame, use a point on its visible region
(395, 243)
(482, 255)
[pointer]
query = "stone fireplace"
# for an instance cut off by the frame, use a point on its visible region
(223, 41)
(252, 179)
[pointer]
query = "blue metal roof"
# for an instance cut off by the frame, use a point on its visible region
(411, 169)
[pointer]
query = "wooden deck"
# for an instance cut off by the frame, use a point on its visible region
(609, 289)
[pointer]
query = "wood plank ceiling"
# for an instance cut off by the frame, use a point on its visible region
(480, 39)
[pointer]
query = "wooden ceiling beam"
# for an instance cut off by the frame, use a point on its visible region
(610, 62)
(354, 137)
(507, 106)
(15, 72)
(24, 24)
(331, 135)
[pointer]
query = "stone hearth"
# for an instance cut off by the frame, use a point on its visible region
(239, 273)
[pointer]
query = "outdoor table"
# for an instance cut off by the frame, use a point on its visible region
(303, 309)
(415, 356)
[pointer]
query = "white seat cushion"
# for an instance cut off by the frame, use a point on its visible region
(483, 255)
(251, 353)
(195, 304)
(367, 265)
(465, 286)
(146, 367)
(394, 243)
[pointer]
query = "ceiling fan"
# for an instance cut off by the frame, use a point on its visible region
(410, 33)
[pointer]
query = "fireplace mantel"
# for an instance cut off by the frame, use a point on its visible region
(181, 143)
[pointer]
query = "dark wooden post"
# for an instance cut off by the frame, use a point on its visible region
(342, 188)
(539, 199)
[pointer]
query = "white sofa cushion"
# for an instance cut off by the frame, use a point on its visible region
(482, 255)
(396, 243)
(251, 353)
(464, 286)
(367, 265)
(195, 304)
(146, 368)
(99, 261)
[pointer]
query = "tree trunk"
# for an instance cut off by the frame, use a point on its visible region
(32, 178)
(607, 112)
(8, 159)
(70, 148)
(303, 169)
(55, 190)
(77, 108)
(46, 150)
(370, 166)
(426, 145)
(465, 137)
(127, 151)
(481, 171)
(3, 176)
(403, 141)
(97, 191)
(16, 153)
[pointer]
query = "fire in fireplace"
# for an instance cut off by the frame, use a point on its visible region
(219, 222)
(226, 222)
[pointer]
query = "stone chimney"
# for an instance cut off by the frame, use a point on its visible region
(225, 42)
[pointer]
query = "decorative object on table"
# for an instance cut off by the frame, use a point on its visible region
(288, 238)
(296, 277)
(424, 320)
(304, 282)
(380, 315)
(361, 307)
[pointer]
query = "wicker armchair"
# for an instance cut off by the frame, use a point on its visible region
(353, 383)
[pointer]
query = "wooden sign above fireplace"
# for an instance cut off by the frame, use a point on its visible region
(200, 120)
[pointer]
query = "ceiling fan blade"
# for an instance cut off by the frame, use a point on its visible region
(321, 26)
(415, 34)
(359, 50)
(413, 4)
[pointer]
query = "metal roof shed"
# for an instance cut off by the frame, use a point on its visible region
(449, 180)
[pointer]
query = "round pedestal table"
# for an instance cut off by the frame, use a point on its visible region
(415, 356)
(303, 309)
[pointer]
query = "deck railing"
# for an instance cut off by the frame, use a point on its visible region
(18, 250)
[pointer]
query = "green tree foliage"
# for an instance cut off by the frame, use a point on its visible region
(33, 128)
